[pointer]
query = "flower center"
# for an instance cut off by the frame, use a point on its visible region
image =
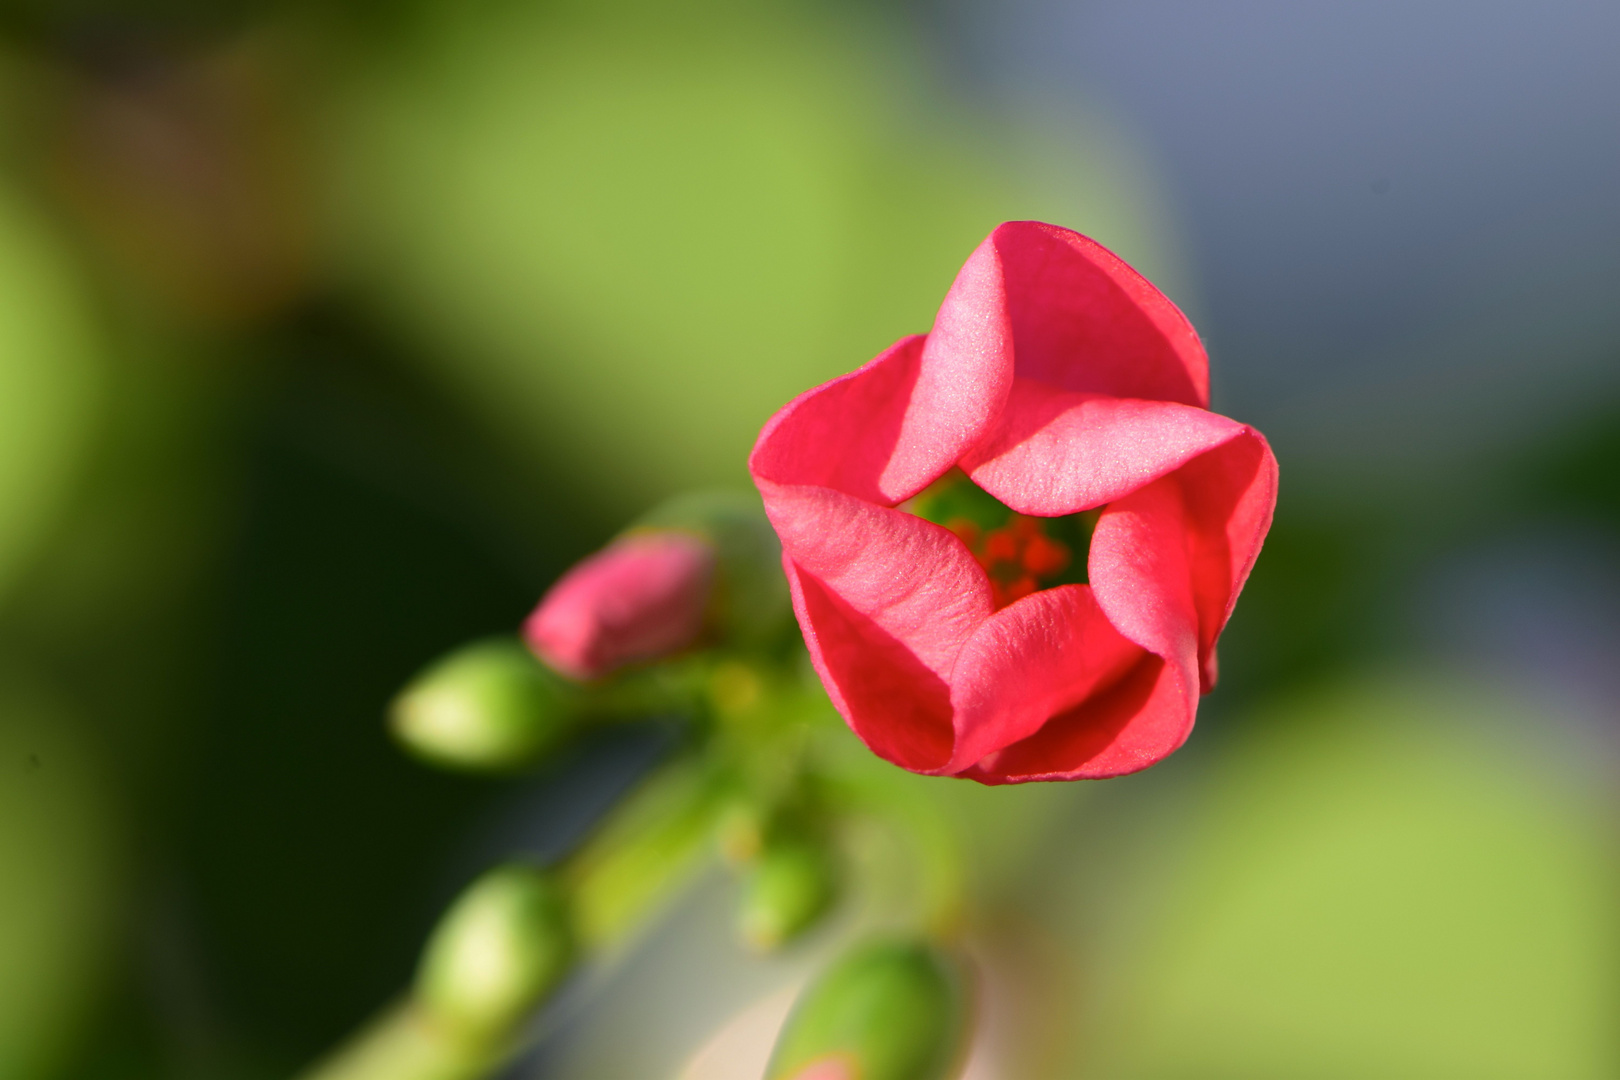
(1021, 554)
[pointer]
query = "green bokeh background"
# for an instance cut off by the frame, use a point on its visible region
(528, 268)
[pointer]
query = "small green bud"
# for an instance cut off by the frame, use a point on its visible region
(735, 687)
(892, 1010)
(739, 831)
(502, 947)
(790, 886)
(488, 705)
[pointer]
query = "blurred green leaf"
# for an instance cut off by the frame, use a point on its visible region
(633, 233)
(1386, 880)
(58, 879)
(790, 887)
(49, 380)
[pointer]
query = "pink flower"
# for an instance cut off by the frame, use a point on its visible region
(1072, 394)
(642, 597)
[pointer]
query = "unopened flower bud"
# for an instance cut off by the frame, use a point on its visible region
(750, 605)
(502, 947)
(640, 598)
(789, 887)
(894, 1010)
(489, 705)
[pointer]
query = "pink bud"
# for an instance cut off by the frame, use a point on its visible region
(639, 598)
(827, 1068)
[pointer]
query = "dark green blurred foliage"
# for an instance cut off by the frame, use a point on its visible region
(1577, 476)
(353, 569)
(1315, 599)
(61, 842)
(1333, 588)
(369, 534)
(87, 25)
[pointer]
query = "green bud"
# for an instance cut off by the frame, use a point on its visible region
(502, 947)
(891, 1010)
(488, 705)
(790, 886)
(750, 605)
(739, 831)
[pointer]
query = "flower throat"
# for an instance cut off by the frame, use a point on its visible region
(1021, 554)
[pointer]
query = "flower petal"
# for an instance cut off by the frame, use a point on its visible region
(966, 372)
(842, 434)
(1055, 452)
(1166, 563)
(1141, 580)
(886, 601)
(1029, 662)
(1141, 574)
(1229, 494)
(1124, 727)
(1051, 303)
(889, 429)
(895, 704)
(1083, 320)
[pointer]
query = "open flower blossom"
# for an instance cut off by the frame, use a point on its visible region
(1013, 542)
(642, 597)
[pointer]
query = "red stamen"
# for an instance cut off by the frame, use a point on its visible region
(1025, 528)
(1044, 556)
(1001, 546)
(1020, 589)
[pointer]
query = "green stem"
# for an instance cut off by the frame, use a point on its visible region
(641, 857)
